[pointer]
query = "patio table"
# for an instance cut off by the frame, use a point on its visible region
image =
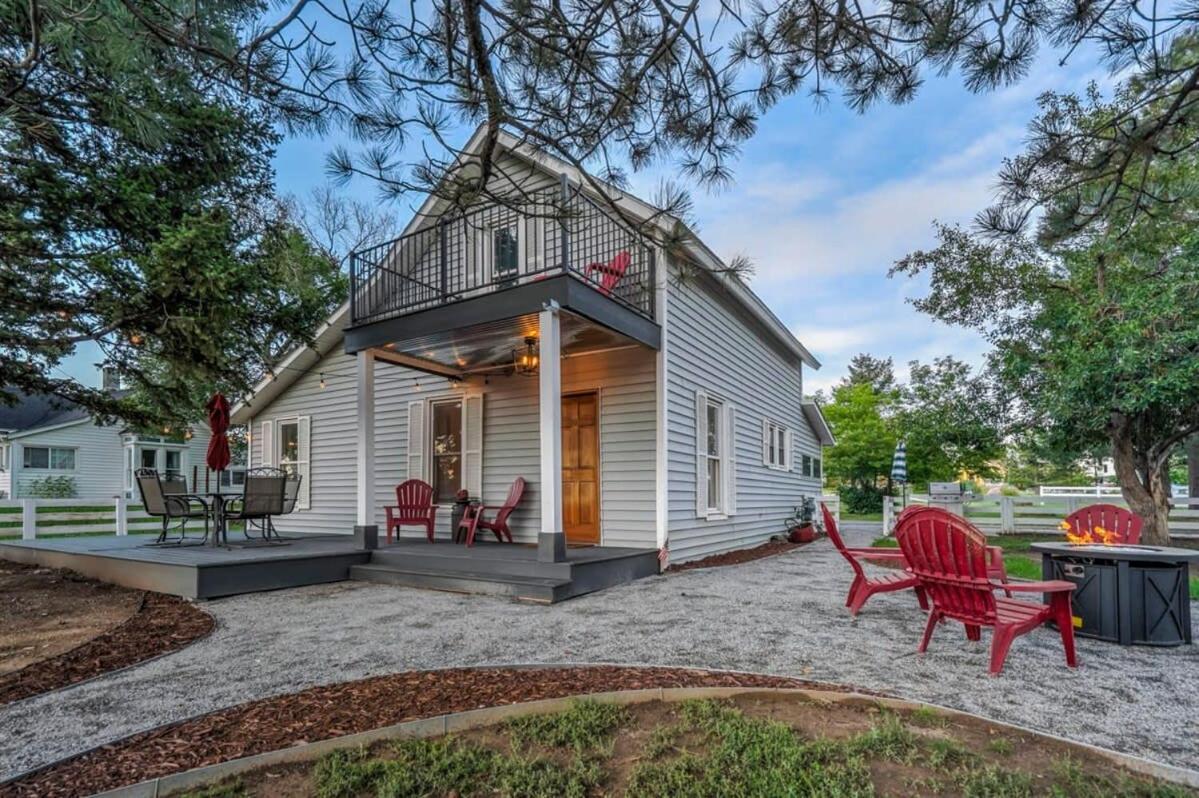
(218, 501)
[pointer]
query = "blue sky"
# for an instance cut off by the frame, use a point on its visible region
(824, 201)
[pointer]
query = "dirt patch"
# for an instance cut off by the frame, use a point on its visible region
(46, 612)
(58, 628)
(335, 710)
(898, 754)
(768, 549)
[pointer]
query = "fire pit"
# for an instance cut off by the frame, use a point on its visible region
(1126, 594)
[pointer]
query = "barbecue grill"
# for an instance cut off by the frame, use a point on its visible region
(1126, 594)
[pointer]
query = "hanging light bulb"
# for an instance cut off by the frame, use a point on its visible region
(323, 383)
(187, 436)
(526, 360)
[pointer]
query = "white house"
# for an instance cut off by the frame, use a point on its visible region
(543, 339)
(44, 438)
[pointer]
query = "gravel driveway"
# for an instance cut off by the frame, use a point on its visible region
(783, 615)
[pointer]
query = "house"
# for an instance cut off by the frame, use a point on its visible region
(648, 396)
(55, 449)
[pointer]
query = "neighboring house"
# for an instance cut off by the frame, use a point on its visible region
(44, 437)
(645, 410)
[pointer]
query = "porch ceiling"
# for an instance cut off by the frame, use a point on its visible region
(489, 346)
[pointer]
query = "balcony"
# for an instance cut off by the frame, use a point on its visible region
(555, 232)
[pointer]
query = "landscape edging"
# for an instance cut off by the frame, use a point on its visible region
(487, 716)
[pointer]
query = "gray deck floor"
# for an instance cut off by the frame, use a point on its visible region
(783, 615)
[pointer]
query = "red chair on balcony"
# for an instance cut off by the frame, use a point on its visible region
(949, 559)
(1121, 526)
(863, 587)
(610, 273)
(473, 519)
(995, 566)
(414, 507)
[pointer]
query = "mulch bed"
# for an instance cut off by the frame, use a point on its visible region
(161, 625)
(333, 710)
(768, 549)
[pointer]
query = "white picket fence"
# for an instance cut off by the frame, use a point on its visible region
(46, 517)
(1077, 490)
(1021, 515)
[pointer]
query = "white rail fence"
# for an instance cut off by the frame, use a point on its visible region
(1040, 515)
(32, 518)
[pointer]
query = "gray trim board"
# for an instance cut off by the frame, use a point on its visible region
(569, 292)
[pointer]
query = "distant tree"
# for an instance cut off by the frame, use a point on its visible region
(952, 422)
(878, 373)
(1030, 462)
(137, 213)
(860, 463)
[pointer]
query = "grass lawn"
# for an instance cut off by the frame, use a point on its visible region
(861, 516)
(751, 746)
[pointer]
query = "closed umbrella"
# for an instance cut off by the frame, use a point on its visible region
(218, 444)
(899, 468)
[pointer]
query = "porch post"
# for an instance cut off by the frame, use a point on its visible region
(365, 531)
(551, 543)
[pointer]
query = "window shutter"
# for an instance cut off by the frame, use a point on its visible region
(730, 460)
(304, 456)
(268, 443)
(766, 433)
(416, 441)
(472, 444)
(790, 441)
(701, 454)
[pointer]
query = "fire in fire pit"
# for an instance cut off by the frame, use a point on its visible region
(1088, 535)
(1127, 594)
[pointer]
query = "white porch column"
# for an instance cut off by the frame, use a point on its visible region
(366, 450)
(551, 543)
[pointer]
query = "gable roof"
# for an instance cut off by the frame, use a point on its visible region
(302, 358)
(819, 425)
(35, 411)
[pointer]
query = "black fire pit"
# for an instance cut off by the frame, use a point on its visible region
(1126, 594)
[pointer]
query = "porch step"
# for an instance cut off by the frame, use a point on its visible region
(526, 588)
(488, 560)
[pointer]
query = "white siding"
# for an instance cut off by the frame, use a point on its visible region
(624, 378)
(714, 346)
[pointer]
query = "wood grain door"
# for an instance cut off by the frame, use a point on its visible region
(580, 467)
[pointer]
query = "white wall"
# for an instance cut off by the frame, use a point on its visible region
(715, 346)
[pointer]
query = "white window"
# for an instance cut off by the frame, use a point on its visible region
(286, 444)
(807, 466)
(446, 445)
(4, 457)
(446, 450)
(148, 458)
(776, 446)
(715, 457)
(174, 462)
(51, 458)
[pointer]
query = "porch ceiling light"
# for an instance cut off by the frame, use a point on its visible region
(526, 359)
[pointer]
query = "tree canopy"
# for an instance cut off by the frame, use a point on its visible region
(137, 212)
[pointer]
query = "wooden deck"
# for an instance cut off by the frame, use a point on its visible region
(196, 572)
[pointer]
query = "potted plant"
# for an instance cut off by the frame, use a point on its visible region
(802, 530)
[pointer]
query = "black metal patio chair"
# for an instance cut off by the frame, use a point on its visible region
(264, 496)
(166, 497)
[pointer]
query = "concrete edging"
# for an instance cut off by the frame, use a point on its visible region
(476, 718)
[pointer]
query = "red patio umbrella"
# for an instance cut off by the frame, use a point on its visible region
(218, 445)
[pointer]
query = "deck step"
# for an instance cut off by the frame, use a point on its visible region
(456, 561)
(527, 588)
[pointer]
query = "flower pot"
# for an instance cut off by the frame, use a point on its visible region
(803, 534)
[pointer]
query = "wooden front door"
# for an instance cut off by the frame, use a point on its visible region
(580, 467)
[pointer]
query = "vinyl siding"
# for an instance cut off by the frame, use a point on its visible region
(714, 346)
(625, 379)
(99, 458)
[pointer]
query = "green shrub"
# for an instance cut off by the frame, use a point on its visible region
(860, 499)
(51, 488)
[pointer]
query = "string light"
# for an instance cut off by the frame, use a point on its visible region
(323, 383)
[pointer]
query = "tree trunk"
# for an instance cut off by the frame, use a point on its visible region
(1145, 488)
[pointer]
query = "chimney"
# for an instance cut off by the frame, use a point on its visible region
(110, 380)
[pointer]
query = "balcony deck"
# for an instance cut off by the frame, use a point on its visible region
(512, 251)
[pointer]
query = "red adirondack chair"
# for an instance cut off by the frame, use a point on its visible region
(610, 273)
(995, 566)
(1121, 525)
(949, 558)
(473, 519)
(414, 507)
(863, 587)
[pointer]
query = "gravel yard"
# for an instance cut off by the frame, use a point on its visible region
(782, 615)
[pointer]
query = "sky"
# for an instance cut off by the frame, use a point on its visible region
(824, 200)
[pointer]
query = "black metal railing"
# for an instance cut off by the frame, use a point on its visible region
(558, 230)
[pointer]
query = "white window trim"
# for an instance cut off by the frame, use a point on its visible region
(49, 469)
(272, 443)
(420, 460)
(774, 433)
(429, 458)
(727, 448)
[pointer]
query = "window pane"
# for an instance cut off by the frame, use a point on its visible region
(714, 430)
(149, 458)
(63, 459)
(37, 457)
(815, 466)
(782, 437)
(289, 442)
(173, 461)
(505, 252)
(714, 492)
(447, 428)
(447, 477)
